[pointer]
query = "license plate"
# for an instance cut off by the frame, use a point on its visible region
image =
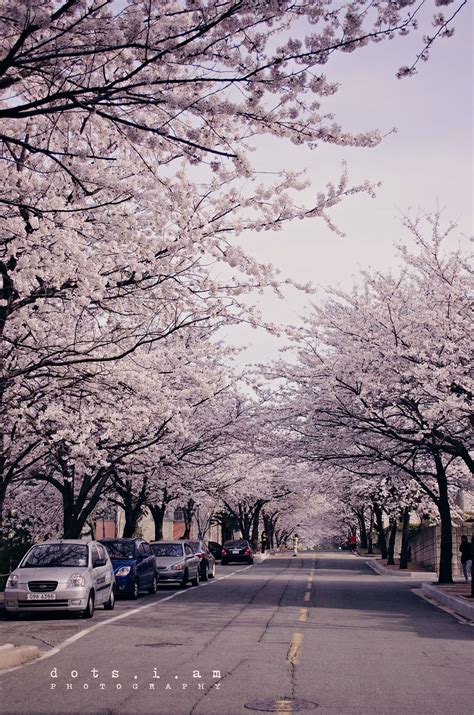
(40, 596)
(235, 551)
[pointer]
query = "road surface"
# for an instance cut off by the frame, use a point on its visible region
(316, 633)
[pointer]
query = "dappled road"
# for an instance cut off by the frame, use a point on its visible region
(325, 629)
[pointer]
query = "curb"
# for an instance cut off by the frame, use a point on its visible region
(12, 656)
(416, 575)
(455, 603)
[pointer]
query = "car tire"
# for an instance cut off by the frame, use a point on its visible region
(89, 612)
(154, 586)
(224, 562)
(136, 589)
(11, 615)
(205, 573)
(110, 603)
(250, 561)
(184, 581)
(195, 581)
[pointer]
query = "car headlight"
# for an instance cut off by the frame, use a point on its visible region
(77, 580)
(12, 581)
(124, 571)
(176, 567)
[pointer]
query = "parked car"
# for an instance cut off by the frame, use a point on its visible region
(61, 575)
(176, 561)
(238, 550)
(134, 565)
(215, 549)
(207, 566)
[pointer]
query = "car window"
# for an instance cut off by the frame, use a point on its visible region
(238, 544)
(102, 552)
(120, 549)
(188, 550)
(146, 550)
(43, 555)
(195, 546)
(94, 553)
(164, 549)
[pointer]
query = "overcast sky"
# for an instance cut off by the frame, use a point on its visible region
(427, 163)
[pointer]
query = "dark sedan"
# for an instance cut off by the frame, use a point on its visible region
(238, 550)
(134, 565)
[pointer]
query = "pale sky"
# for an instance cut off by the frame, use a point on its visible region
(427, 163)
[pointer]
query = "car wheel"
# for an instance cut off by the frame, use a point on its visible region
(205, 573)
(184, 581)
(154, 586)
(11, 615)
(89, 612)
(195, 581)
(110, 603)
(250, 561)
(136, 589)
(224, 562)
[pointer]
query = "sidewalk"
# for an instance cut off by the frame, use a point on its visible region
(455, 596)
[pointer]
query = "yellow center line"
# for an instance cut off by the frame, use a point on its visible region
(294, 652)
(303, 615)
(307, 596)
(284, 706)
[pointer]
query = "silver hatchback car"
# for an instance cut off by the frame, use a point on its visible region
(62, 575)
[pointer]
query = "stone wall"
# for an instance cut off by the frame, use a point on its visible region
(425, 546)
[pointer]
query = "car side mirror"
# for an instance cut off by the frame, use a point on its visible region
(14, 564)
(99, 562)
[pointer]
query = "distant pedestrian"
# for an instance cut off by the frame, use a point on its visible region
(353, 543)
(466, 562)
(296, 543)
(264, 542)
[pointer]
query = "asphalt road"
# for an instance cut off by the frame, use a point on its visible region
(322, 632)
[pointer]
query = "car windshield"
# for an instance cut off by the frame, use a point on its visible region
(196, 545)
(44, 555)
(120, 549)
(240, 544)
(167, 549)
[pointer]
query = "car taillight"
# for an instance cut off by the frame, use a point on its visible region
(201, 556)
(223, 552)
(247, 551)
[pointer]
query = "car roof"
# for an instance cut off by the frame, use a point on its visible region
(171, 541)
(63, 541)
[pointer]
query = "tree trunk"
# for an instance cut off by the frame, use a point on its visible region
(405, 533)
(391, 543)
(362, 529)
(444, 509)
(382, 544)
(370, 546)
(255, 526)
(158, 514)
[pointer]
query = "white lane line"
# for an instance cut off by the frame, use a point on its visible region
(77, 636)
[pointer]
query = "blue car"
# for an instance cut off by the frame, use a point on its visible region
(134, 566)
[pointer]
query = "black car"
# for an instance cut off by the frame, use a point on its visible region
(238, 550)
(215, 549)
(207, 562)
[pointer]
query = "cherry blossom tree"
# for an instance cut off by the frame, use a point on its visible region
(383, 375)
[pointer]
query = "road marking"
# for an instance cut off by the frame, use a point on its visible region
(77, 636)
(310, 579)
(283, 705)
(294, 652)
(303, 615)
(307, 596)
